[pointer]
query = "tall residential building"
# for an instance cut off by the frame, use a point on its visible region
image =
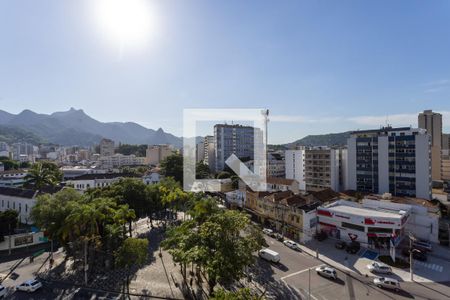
(235, 139)
(322, 169)
(295, 166)
(445, 171)
(106, 147)
(156, 153)
(390, 160)
(209, 152)
(200, 151)
(276, 165)
(432, 122)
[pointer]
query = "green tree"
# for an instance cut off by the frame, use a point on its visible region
(241, 294)
(172, 166)
(9, 220)
(9, 164)
(132, 252)
(222, 246)
(44, 174)
(223, 175)
(202, 171)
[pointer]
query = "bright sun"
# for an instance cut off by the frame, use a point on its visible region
(130, 23)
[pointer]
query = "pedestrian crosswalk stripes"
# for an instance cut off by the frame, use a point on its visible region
(434, 267)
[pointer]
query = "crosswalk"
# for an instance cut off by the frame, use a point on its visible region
(434, 267)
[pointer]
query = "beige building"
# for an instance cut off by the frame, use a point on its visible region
(445, 171)
(292, 215)
(432, 122)
(156, 153)
(322, 169)
(106, 147)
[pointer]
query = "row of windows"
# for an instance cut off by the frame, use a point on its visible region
(8, 206)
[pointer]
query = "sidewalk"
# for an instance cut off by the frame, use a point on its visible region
(435, 269)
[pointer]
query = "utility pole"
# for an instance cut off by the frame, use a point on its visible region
(309, 284)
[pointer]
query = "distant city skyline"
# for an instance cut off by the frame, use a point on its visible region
(320, 67)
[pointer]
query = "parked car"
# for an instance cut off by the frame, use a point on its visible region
(384, 282)
(320, 236)
(340, 245)
(327, 272)
(416, 254)
(377, 267)
(269, 255)
(268, 231)
(423, 245)
(2, 291)
(353, 247)
(278, 237)
(292, 245)
(29, 286)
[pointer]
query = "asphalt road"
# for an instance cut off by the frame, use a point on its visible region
(294, 272)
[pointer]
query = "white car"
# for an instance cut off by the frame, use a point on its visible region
(327, 272)
(29, 286)
(292, 245)
(388, 283)
(2, 291)
(376, 267)
(268, 231)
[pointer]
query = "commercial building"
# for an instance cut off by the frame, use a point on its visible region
(432, 122)
(376, 222)
(106, 147)
(235, 139)
(157, 153)
(390, 160)
(295, 166)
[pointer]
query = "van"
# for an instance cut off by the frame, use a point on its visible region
(269, 255)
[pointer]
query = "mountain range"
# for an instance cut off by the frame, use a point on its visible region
(330, 140)
(75, 127)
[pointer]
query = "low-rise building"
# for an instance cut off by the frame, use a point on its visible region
(151, 178)
(87, 181)
(119, 160)
(275, 184)
(12, 178)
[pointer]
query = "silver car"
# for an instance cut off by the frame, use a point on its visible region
(327, 272)
(389, 283)
(377, 267)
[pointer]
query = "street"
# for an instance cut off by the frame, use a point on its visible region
(293, 270)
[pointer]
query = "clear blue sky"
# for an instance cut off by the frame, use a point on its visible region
(319, 66)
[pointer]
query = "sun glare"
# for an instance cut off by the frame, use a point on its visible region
(128, 23)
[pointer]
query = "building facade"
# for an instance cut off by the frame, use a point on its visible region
(209, 155)
(235, 139)
(157, 153)
(322, 169)
(295, 166)
(119, 160)
(432, 122)
(106, 147)
(390, 160)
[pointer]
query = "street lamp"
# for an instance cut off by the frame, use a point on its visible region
(411, 240)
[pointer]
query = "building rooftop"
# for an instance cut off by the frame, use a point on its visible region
(360, 211)
(17, 192)
(104, 176)
(282, 181)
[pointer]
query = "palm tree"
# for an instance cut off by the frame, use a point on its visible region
(43, 174)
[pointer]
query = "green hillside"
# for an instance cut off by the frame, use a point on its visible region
(11, 134)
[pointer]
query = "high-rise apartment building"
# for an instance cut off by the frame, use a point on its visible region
(209, 152)
(106, 147)
(445, 159)
(390, 160)
(322, 169)
(156, 153)
(235, 139)
(432, 122)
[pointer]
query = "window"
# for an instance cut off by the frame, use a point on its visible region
(352, 226)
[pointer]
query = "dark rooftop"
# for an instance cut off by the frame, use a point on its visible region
(104, 176)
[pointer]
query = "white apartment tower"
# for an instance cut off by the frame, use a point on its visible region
(295, 166)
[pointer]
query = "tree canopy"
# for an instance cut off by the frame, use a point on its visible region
(172, 166)
(44, 174)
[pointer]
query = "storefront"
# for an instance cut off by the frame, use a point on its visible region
(372, 226)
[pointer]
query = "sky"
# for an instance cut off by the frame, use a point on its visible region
(318, 66)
